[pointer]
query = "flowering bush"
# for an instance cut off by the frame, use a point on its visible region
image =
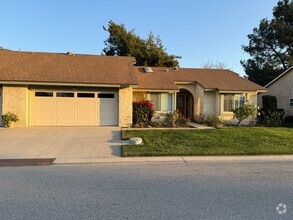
(142, 113)
(243, 112)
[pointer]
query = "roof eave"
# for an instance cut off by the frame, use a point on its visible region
(116, 85)
(278, 77)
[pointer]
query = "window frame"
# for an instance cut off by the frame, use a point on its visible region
(234, 95)
(44, 92)
(169, 98)
(291, 102)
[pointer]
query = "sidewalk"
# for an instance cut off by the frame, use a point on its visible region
(187, 159)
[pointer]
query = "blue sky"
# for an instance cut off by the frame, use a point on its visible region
(199, 31)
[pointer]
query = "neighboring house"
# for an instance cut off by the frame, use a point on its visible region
(282, 88)
(51, 89)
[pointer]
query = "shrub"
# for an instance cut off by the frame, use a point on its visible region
(9, 117)
(213, 120)
(289, 119)
(269, 103)
(142, 113)
(243, 112)
(175, 119)
(271, 118)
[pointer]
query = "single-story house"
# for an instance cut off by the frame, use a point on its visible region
(65, 89)
(282, 88)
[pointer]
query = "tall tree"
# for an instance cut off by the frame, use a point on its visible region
(148, 52)
(271, 45)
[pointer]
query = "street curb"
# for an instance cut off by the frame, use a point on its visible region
(187, 159)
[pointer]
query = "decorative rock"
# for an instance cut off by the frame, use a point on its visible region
(136, 140)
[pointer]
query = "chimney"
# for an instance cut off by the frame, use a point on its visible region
(69, 53)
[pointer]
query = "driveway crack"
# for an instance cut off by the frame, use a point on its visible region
(55, 141)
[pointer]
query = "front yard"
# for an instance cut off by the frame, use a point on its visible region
(226, 141)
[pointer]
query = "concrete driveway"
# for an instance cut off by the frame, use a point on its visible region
(68, 143)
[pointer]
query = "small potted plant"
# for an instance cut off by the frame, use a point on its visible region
(9, 119)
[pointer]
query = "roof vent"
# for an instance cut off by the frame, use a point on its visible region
(175, 68)
(148, 69)
(69, 53)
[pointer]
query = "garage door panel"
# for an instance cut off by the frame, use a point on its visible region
(65, 103)
(86, 104)
(65, 121)
(108, 109)
(43, 121)
(75, 109)
(70, 113)
(43, 102)
(88, 121)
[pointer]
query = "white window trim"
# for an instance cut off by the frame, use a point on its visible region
(160, 93)
(290, 102)
(233, 101)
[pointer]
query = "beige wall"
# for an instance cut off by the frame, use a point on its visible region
(125, 106)
(283, 90)
(210, 103)
(15, 100)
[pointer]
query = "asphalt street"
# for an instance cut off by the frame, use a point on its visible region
(222, 190)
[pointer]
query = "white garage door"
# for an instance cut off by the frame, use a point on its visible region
(49, 108)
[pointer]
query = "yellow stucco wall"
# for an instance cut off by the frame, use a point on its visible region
(138, 96)
(15, 100)
(125, 106)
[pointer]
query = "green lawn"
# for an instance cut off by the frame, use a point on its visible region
(225, 141)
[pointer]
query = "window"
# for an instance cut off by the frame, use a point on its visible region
(161, 101)
(86, 95)
(65, 94)
(44, 94)
(106, 96)
(239, 100)
(233, 101)
(291, 102)
(228, 103)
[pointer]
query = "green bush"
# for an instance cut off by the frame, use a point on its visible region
(269, 103)
(142, 113)
(289, 119)
(175, 119)
(8, 118)
(243, 112)
(271, 118)
(213, 120)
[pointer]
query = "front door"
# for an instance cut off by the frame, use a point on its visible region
(185, 103)
(181, 104)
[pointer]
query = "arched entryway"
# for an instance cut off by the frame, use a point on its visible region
(184, 103)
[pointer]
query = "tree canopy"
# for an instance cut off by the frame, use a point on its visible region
(271, 45)
(148, 52)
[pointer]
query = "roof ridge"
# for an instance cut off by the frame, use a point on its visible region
(65, 53)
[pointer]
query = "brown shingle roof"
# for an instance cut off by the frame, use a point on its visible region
(63, 68)
(221, 79)
(153, 81)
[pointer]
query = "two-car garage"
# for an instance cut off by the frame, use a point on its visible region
(69, 108)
